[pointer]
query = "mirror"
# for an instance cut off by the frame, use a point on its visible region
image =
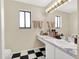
(63, 19)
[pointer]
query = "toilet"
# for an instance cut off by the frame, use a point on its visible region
(8, 54)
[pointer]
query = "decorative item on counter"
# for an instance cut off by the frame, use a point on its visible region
(43, 33)
(57, 35)
(50, 34)
(54, 34)
(62, 36)
(75, 39)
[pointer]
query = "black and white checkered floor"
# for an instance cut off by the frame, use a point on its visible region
(30, 54)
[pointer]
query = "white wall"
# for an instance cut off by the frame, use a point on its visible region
(21, 39)
(73, 23)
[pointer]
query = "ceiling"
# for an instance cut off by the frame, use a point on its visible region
(41, 3)
(68, 7)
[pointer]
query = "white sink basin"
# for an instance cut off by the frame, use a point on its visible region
(60, 42)
(73, 51)
(65, 44)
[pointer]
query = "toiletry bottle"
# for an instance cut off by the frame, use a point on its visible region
(75, 40)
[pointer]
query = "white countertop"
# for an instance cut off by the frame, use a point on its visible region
(60, 43)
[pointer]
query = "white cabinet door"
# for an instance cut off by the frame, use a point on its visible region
(50, 51)
(59, 54)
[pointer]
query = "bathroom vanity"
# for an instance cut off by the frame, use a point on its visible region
(58, 48)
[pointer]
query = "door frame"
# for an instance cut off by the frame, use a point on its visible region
(2, 30)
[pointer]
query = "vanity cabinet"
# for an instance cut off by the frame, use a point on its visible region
(50, 51)
(53, 52)
(54, 48)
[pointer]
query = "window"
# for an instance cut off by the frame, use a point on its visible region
(58, 22)
(25, 19)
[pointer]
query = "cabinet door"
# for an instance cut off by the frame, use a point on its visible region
(59, 54)
(50, 51)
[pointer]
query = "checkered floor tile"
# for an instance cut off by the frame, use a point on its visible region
(30, 54)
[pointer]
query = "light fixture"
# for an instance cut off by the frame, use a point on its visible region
(56, 5)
